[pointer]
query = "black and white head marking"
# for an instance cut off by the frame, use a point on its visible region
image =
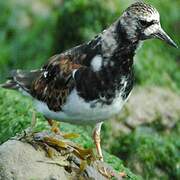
(140, 20)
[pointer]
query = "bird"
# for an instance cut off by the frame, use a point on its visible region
(90, 83)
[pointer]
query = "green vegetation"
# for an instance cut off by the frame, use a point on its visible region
(32, 31)
(153, 154)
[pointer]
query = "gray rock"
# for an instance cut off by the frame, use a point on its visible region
(21, 161)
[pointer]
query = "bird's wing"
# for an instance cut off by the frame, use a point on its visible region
(55, 82)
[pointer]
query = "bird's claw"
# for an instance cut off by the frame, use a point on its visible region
(105, 173)
(55, 129)
(61, 144)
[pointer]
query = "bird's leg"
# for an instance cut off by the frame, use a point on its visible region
(97, 140)
(55, 128)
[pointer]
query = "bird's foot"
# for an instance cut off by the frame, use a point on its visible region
(110, 174)
(55, 128)
(99, 157)
(62, 145)
(57, 131)
(104, 172)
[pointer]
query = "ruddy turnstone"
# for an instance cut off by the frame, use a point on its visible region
(91, 82)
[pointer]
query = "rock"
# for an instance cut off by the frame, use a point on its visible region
(23, 161)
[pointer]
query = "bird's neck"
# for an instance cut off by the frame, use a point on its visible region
(118, 49)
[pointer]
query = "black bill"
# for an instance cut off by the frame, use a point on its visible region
(161, 34)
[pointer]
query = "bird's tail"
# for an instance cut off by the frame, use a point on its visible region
(21, 80)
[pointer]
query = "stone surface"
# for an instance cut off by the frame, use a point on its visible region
(22, 161)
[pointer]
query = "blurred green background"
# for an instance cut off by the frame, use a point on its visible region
(32, 31)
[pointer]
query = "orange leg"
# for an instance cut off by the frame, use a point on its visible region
(97, 140)
(54, 126)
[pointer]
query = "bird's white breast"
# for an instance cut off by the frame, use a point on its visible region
(77, 110)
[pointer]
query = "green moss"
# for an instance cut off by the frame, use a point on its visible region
(15, 114)
(152, 154)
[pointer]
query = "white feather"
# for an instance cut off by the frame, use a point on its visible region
(96, 63)
(74, 72)
(45, 74)
(77, 111)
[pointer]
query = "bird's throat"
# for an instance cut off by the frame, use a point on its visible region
(118, 50)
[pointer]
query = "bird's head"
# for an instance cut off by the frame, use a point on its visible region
(142, 21)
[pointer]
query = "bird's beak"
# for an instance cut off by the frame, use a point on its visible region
(161, 34)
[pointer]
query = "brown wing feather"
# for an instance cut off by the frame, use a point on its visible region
(55, 82)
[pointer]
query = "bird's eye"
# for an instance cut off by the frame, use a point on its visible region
(146, 23)
(143, 23)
